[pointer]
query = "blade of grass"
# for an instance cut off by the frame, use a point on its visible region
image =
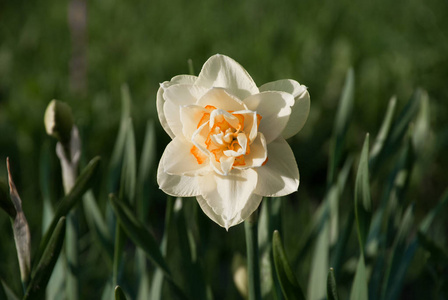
(146, 164)
(6, 292)
(119, 295)
(319, 265)
(97, 224)
(143, 239)
(363, 203)
(268, 222)
(332, 289)
(157, 282)
(120, 143)
(382, 134)
(82, 184)
(341, 124)
(288, 282)
(21, 230)
(41, 274)
(359, 288)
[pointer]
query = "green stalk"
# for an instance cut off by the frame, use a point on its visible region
(253, 268)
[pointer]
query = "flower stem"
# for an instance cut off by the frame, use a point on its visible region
(250, 226)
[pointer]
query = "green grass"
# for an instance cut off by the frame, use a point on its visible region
(394, 48)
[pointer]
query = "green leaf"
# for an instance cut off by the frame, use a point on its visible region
(319, 264)
(129, 168)
(421, 138)
(394, 275)
(6, 292)
(398, 130)
(97, 224)
(192, 269)
(145, 170)
(2, 291)
(84, 182)
(427, 221)
(288, 282)
(363, 203)
(341, 124)
(268, 222)
(119, 295)
(120, 143)
(157, 281)
(359, 288)
(137, 232)
(383, 133)
(41, 274)
(332, 289)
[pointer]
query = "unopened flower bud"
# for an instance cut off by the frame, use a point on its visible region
(58, 121)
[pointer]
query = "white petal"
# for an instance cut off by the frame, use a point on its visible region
(258, 153)
(280, 175)
(190, 116)
(251, 205)
(274, 108)
(250, 123)
(222, 71)
(226, 164)
(300, 109)
(178, 159)
(242, 141)
(218, 115)
(219, 98)
(176, 96)
(200, 136)
(177, 185)
(187, 79)
(228, 195)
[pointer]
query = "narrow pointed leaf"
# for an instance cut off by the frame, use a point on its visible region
(97, 224)
(192, 269)
(341, 124)
(268, 222)
(394, 275)
(22, 236)
(119, 295)
(146, 169)
(288, 282)
(383, 133)
(157, 281)
(332, 289)
(2, 291)
(427, 221)
(84, 182)
(363, 203)
(41, 274)
(137, 232)
(129, 168)
(319, 264)
(6, 292)
(120, 143)
(359, 288)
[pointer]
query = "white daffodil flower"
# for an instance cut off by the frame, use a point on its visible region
(228, 145)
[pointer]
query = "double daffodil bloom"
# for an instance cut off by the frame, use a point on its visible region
(228, 145)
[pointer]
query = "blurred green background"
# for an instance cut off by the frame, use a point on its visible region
(394, 47)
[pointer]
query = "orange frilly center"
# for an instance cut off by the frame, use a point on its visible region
(223, 136)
